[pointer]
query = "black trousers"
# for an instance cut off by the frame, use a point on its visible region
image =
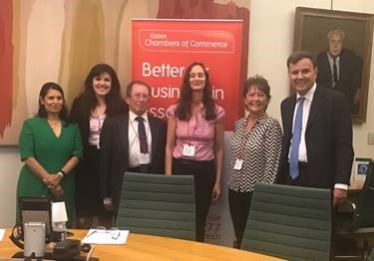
(240, 203)
(204, 173)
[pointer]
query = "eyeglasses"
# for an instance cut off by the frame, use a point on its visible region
(113, 231)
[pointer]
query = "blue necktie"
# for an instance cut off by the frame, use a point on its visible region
(296, 137)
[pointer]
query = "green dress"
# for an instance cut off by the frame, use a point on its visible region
(38, 140)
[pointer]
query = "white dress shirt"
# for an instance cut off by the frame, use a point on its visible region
(308, 98)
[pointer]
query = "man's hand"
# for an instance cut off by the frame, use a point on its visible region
(339, 196)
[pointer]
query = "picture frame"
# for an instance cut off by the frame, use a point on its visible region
(311, 34)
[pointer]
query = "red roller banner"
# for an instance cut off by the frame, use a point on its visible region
(162, 49)
(6, 63)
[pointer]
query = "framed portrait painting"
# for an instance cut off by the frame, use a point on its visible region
(342, 43)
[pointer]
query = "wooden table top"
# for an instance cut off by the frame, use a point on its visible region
(146, 247)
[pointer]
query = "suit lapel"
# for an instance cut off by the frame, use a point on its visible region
(315, 106)
(124, 133)
(290, 112)
(154, 134)
(342, 65)
(327, 64)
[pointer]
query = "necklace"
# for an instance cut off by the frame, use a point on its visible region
(54, 124)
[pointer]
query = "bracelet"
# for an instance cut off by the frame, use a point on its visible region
(61, 172)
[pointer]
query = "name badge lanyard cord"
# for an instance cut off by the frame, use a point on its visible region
(96, 116)
(189, 150)
(243, 140)
(194, 130)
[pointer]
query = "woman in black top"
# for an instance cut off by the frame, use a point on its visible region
(99, 100)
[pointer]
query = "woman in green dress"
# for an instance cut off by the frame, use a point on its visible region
(51, 149)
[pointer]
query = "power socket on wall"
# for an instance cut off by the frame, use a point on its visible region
(371, 138)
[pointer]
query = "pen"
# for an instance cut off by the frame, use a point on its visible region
(90, 234)
(90, 253)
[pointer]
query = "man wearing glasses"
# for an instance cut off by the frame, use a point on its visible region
(131, 142)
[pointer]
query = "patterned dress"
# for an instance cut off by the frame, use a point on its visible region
(260, 151)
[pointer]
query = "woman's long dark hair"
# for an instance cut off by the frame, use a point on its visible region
(63, 114)
(87, 101)
(183, 110)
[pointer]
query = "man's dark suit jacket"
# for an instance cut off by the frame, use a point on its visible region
(328, 138)
(114, 143)
(350, 73)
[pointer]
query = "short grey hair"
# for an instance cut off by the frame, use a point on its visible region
(335, 30)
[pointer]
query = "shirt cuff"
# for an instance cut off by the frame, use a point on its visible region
(107, 201)
(341, 186)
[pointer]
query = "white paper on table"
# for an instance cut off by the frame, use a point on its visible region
(2, 232)
(105, 238)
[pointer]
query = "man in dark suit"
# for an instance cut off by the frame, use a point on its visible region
(131, 142)
(317, 148)
(340, 68)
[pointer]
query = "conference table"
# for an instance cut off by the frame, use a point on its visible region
(146, 247)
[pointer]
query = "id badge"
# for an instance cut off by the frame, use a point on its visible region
(188, 150)
(238, 164)
(144, 158)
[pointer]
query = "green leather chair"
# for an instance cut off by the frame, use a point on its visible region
(371, 256)
(290, 222)
(158, 205)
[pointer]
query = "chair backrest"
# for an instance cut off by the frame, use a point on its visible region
(289, 222)
(365, 210)
(371, 255)
(158, 205)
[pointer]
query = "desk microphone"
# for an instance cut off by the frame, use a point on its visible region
(34, 239)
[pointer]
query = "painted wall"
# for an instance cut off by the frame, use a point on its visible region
(271, 40)
(271, 36)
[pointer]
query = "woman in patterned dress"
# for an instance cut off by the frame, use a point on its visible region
(255, 152)
(51, 149)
